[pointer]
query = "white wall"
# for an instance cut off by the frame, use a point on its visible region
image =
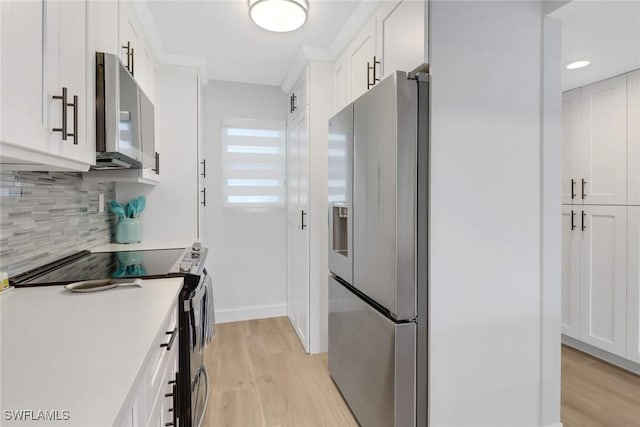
(247, 251)
(486, 277)
(171, 214)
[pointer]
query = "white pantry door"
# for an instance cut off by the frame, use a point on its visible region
(571, 247)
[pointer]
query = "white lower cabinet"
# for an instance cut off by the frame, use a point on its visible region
(152, 401)
(604, 277)
(633, 287)
(594, 276)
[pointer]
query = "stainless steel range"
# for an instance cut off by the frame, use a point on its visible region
(196, 321)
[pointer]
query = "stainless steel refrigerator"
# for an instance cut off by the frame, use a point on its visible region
(378, 242)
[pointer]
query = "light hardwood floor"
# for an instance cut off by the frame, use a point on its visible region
(597, 394)
(260, 376)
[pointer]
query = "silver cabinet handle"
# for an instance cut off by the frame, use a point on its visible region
(372, 68)
(63, 98)
(74, 104)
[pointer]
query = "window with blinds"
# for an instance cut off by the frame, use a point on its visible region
(253, 164)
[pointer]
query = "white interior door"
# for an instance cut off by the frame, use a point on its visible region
(571, 245)
(633, 287)
(603, 308)
(571, 126)
(604, 142)
(633, 136)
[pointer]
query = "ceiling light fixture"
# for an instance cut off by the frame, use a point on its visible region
(577, 64)
(280, 16)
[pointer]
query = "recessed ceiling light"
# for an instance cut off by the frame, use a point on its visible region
(279, 15)
(577, 64)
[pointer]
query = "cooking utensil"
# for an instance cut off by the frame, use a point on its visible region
(117, 208)
(99, 285)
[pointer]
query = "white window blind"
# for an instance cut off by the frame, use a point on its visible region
(253, 164)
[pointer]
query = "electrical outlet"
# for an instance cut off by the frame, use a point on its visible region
(100, 202)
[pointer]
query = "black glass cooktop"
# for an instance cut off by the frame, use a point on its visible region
(104, 265)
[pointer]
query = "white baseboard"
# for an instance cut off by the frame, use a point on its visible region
(554, 425)
(250, 312)
(601, 354)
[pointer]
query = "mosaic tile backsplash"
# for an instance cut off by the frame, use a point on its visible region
(47, 215)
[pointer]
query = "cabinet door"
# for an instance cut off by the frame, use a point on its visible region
(24, 122)
(571, 150)
(128, 34)
(303, 242)
(604, 277)
(72, 59)
(293, 228)
(604, 142)
(340, 82)
(571, 246)
(633, 136)
(400, 36)
(633, 287)
(360, 55)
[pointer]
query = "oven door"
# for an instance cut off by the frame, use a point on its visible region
(200, 301)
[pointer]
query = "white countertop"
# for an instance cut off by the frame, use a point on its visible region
(142, 246)
(79, 352)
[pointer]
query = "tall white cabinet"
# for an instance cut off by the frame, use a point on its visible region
(307, 195)
(601, 225)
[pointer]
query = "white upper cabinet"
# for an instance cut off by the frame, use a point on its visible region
(298, 97)
(633, 287)
(603, 308)
(340, 83)
(571, 128)
(44, 61)
(571, 244)
(633, 136)
(362, 67)
(128, 36)
(401, 36)
(603, 172)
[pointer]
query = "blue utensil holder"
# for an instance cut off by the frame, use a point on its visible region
(129, 230)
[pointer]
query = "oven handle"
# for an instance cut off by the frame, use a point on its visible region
(206, 394)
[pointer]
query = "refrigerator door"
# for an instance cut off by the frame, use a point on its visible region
(340, 194)
(372, 360)
(384, 194)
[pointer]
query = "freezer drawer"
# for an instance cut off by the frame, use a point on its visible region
(372, 360)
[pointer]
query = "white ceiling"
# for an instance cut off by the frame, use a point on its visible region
(607, 33)
(234, 47)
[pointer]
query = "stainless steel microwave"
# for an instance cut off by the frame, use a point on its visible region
(124, 118)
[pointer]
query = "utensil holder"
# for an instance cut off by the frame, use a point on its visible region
(129, 230)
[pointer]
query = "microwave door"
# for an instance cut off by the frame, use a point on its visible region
(128, 138)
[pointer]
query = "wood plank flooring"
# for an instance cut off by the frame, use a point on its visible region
(260, 376)
(597, 394)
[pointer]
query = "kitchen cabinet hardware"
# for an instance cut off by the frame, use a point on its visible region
(204, 197)
(157, 168)
(372, 69)
(291, 104)
(130, 57)
(584, 227)
(302, 224)
(74, 105)
(204, 168)
(174, 396)
(63, 98)
(169, 344)
(294, 98)
(573, 217)
(573, 188)
(583, 185)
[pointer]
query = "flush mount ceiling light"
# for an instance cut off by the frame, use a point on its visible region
(279, 15)
(578, 64)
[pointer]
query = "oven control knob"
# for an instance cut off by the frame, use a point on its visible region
(197, 246)
(185, 266)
